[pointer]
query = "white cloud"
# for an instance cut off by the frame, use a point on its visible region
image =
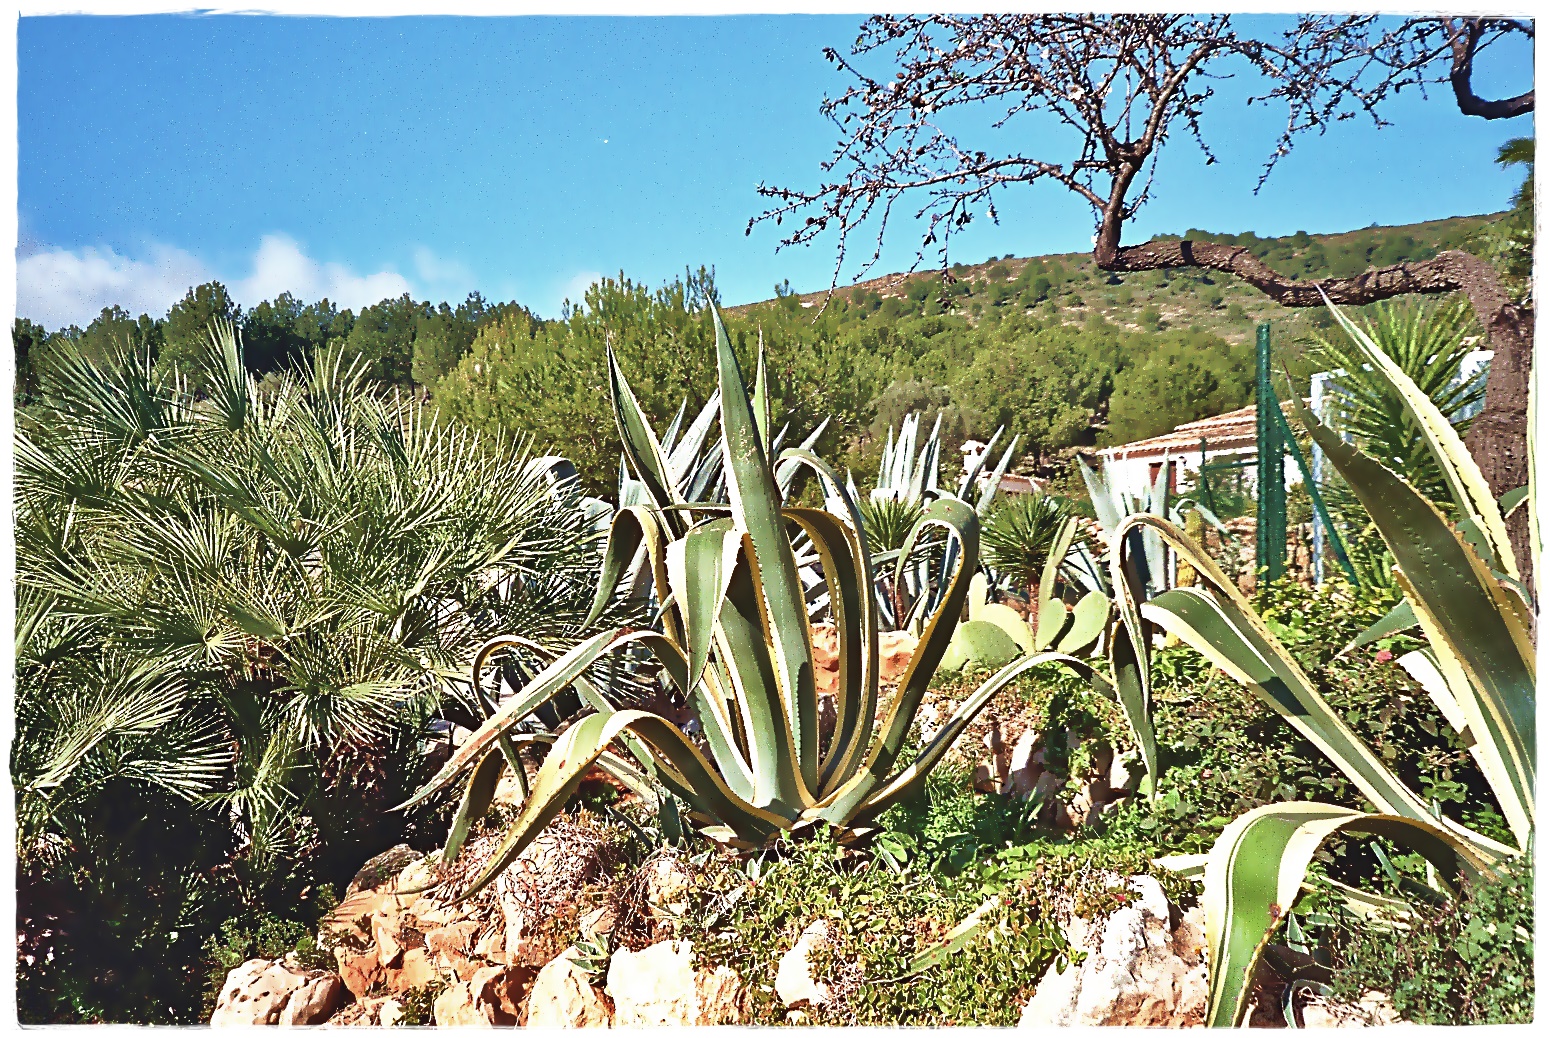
(58, 287)
(280, 265)
(442, 278)
(576, 288)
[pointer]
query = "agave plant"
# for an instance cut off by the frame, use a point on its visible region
(736, 643)
(1461, 583)
(909, 477)
(1114, 504)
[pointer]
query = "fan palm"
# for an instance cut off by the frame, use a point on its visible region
(218, 592)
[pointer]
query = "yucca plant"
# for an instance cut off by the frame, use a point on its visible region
(735, 641)
(1020, 534)
(1461, 583)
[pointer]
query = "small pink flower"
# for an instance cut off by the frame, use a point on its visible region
(1384, 655)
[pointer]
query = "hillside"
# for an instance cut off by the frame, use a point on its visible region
(1071, 286)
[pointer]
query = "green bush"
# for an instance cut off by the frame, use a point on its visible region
(1469, 961)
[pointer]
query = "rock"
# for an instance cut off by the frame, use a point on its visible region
(451, 942)
(895, 649)
(360, 970)
(794, 981)
(1026, 765)
(255, 993)
(720, 994)
(659, 986)
(598, 921)
(668, 884)
(828, 713)
(368, 1012)
(390, 1012)
(492, 997)
(1375, 1009)
(1125, 772)
(384, 867)
(385, 933)
(313, 1002)
(458, 1007)
(414, 971)
(562, 996)
(492, 946)
(654, 986)
(1134, 973)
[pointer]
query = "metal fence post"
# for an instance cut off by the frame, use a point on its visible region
(1270, 492)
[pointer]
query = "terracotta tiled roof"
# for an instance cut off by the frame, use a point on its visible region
(1231, 431)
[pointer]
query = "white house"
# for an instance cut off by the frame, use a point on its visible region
(1135, 466)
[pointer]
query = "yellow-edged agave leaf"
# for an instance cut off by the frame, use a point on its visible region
(583, 744)
(909, 780)
(1473, 623)
(547, 684)
(756, 509)
(699, 568)
(1465, 481)
(630, 529)
(1130, 644)
(1257, 869)
(743, 648)
(477, 796)
(1400, 618)
(961, 522)
(640, 444)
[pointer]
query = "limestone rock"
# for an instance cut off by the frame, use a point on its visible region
(390, 1012)
(414, 970)
(1374, 1010)
(562, 996)
(668, 884)
(1138, 971)
(794, 981)
(368, 1012)
(313, 1002)
(654, 986)
(360, 970)
(660, 986)
(457, 1006)
(255, 993)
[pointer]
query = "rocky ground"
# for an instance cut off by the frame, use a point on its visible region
(406, 952)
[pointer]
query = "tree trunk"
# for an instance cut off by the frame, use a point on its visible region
(1498, 437)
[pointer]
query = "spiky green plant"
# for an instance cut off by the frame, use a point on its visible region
(295, 571)
(1460, 581)
(735, 641)
(888, 521)
(1428, 342)
(1019, 534)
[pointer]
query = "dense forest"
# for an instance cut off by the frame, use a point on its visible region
(1063, 354)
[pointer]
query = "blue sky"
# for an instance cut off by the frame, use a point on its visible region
(522, 157)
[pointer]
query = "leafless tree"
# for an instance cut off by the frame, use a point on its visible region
(1110, 90)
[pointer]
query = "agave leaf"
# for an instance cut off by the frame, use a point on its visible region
(477, 796)
(631, 527)
(909, 780)
(1061, 547)
(756, 508)
(761, 400)
(994, 482)
(1474, 625)
(1256, 871)
(972, 472)
(640, 443)
(956, 939)
(699, 568)
(1130, 645)
(744, 651)
(1400, 618)
(547, 684)
(582, 745)
(1466, 484)
(961, 522)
